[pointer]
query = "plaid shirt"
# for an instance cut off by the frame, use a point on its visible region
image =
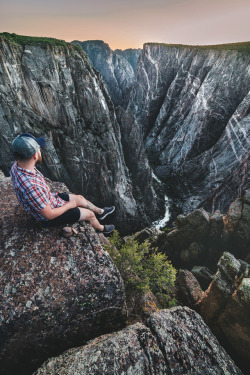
(32, 191)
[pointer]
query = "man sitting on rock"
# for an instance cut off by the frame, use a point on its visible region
(33, 193)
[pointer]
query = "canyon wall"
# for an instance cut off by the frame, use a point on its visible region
(193, 106)
(116, 67)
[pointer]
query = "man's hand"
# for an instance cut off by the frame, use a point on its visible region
(50, 213)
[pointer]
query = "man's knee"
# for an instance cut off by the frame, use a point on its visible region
(86, 214)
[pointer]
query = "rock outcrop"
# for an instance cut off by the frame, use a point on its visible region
(174, 341)
(188, 288)
(116, 67)
(51, 89)
(192, 104)
(225, 306)
(200, 238)
(56, 293)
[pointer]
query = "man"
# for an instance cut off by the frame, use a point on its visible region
(34, 194)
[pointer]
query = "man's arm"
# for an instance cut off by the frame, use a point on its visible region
(50, 213)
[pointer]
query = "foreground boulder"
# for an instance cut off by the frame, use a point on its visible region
(173, 341)
(225, 306)
(188, 288)
(56, 292)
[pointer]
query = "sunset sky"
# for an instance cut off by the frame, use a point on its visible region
(130, 23)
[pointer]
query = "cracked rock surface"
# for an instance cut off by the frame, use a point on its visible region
(225, 306)
(173, 341)
(56, 292)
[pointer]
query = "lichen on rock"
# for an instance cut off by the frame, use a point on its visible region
(56, 292)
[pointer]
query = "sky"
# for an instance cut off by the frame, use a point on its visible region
(130, 23)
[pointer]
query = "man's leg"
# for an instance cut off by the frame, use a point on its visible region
(90, 217)
(82, 202)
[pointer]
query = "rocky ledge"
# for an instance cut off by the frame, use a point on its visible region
(224, 306)
(173, 341)
(56, 292)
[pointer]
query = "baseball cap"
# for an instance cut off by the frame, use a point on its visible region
(27, 145)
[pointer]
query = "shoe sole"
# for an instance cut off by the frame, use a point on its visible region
(103, 217)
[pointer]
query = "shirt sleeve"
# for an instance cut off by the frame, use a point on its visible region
(38, 197)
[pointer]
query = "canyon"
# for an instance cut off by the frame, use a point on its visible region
(116, 123)
(192, 105)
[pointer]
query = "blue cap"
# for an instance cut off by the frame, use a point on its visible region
(27, 145)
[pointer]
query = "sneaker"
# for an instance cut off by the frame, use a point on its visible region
(108, 229)
(106, 211)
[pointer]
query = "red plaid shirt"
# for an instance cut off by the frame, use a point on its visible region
(32, 191)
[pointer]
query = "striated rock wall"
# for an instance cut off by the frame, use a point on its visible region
(174, 341)
(53, 90)
(193, 106)
(55, 292)
(116, 67)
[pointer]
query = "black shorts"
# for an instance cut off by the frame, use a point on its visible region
(68, 217)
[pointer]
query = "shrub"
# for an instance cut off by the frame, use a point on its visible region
(143, 269)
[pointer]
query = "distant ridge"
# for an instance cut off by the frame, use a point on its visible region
(35, 40)
(239, 46)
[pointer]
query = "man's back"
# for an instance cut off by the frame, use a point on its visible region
(32, 191)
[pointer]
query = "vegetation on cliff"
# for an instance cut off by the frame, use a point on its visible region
(34, 40)
(143, 270)
(240, 47)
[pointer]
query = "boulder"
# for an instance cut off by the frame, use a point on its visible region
(188, 288)
(236, 227)
(203, 275)
(173, 341)
(56, 292)
(225, 306)
(195, 228)
(146, 234)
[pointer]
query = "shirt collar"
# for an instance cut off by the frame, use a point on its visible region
(28, 171)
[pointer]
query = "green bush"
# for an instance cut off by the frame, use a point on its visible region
(23, 40)
(143, 270)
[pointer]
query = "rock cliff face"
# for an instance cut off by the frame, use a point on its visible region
(53, 90)
(116, 67)
(55, 292)
(174, 341)
(224, 306)
(193, 106)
